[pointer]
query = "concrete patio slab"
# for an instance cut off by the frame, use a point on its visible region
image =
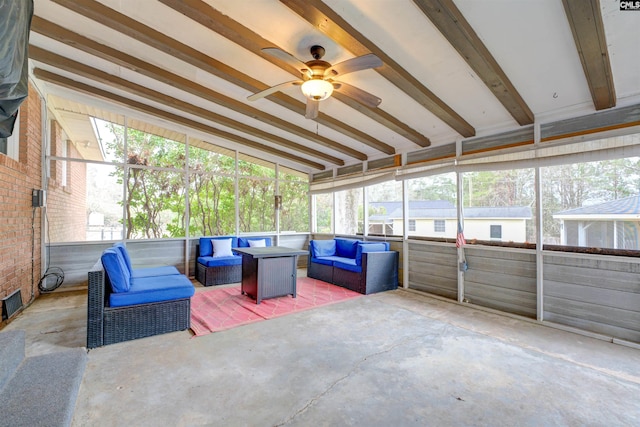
(395, 358)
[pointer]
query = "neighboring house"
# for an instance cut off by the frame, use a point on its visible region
(438, 218)
(613, 224)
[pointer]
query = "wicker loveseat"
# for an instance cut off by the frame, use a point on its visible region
(364, 267)
(213, 268)
(157, 300)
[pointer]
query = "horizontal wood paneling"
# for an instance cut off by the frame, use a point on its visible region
(153, 253)
(500, 298)
(296, 241)
(75, 260)
(596, 293)
(433, 269)
(603, 120)
(433, 153)
(518, 137)
(503, 279)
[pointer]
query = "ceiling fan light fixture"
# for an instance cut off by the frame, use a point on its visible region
(317, 89)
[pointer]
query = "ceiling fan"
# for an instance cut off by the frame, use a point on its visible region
(318, 77)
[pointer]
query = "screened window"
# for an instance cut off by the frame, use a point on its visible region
(499, 205)
(432, 203)
(294, 190)
(349, 211)
(155, 193)
(139, 181)
(256, 191)
(256, 212)
(384, 209)
(594, 204)
(212, 206)
(323, 215)
(252, 166)
(85, 198)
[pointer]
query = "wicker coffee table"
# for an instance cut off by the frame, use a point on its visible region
(269, 272)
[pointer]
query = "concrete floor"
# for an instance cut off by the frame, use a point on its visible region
(393, 359)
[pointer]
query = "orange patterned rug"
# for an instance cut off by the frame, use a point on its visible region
(217, 309)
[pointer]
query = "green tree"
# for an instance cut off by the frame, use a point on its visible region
(212, 194)
(154, 201)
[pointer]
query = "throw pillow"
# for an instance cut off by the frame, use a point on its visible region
(221, 248)
(257, 243)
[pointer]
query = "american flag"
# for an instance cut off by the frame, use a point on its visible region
(460, 237)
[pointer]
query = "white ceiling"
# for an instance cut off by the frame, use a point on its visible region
(531, 40)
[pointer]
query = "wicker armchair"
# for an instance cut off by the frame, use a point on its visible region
(210, 276)
(109, 325)
(319, 271)
(379, 273)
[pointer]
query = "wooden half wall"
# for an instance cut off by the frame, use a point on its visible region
(593, 292)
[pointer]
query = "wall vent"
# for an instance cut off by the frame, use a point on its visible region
(11, 304)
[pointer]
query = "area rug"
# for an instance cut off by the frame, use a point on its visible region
(217, 309)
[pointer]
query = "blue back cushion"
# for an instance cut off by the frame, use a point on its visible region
(322, 248)
(243, 242)
(125, 255)
(206, 248)
(116, 269)
(346, 247)
(370, 247)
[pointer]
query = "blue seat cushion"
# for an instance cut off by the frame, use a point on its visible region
(209, 261)
(369, 247)
(243, 242)
(349, 265)
(153, 289)
(346, 247)
(322, 260)
(116, 270)
(165, 270)
(125, 255)
(322, 248)
(206, 248)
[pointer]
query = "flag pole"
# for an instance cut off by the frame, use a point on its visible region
(460, 240)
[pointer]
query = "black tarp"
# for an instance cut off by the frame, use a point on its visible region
(15, 23)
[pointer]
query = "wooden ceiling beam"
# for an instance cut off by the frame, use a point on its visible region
(585, 20)
(220, 23)
(63, 35)
(138, 31)
(68, 83)
(100, 76)
(325, 19)
(456, 29)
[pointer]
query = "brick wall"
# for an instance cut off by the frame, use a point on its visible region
(17, 178)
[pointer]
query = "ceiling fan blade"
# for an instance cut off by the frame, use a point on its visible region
(273, 89)
(363, 97)
(358, 63)
(289, 59)
(312, 109)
